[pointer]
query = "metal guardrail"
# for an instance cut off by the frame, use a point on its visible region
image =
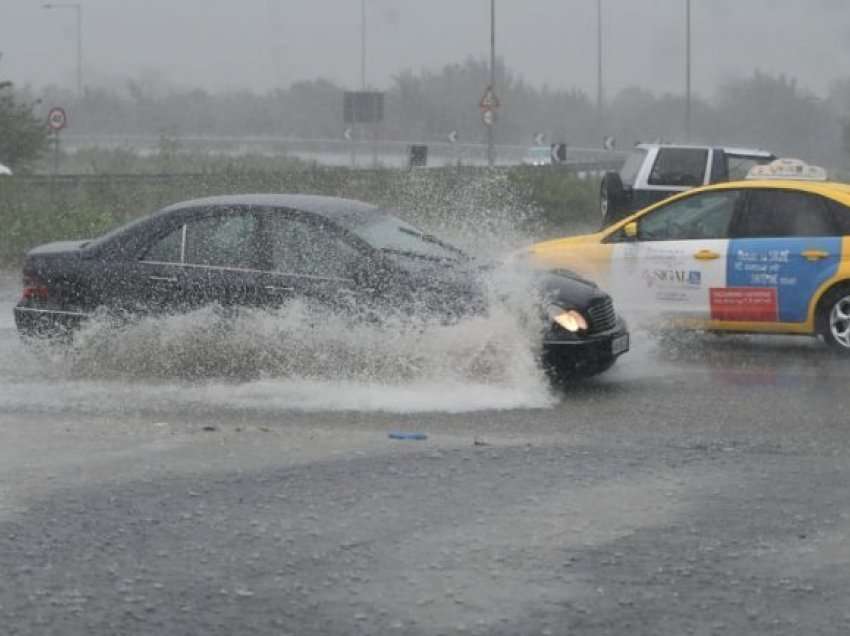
(359, 152)
(582, 168)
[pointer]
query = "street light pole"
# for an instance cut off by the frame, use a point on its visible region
(80, 50)
(599, 90)
(687, 70)
(491, 148)
(79, 10)
(363, 44)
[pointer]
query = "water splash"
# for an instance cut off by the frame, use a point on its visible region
(304, 357)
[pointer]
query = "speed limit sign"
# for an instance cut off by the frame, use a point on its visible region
(57, 119)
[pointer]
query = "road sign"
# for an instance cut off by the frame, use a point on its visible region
(489, 101)
(609, 143)
(453, 137)
(539, 138)
(57, 119)
(558, 152)
(347, 134)
(362, 107)
(417, 155)
(488, 117)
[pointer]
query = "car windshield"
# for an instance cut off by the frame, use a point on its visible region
(630, 169)
(390, 234)
(739, 167)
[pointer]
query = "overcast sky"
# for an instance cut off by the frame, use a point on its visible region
(258, 44)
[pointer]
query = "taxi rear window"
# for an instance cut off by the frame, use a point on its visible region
(785, 213)
(841, 214)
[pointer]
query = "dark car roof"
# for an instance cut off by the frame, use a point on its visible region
(347, 212)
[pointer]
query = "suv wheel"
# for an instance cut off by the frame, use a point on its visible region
(610, 198)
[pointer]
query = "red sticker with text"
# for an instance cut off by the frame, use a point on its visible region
(747, 304)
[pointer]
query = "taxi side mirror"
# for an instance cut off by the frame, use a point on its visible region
(631, 229)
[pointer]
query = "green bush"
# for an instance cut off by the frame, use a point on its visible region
(463, 204)
(566, 203)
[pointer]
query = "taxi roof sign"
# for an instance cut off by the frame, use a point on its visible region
(792, 169)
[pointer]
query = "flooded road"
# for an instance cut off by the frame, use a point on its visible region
(697, 488)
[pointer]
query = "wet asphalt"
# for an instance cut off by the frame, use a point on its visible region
(698, 488)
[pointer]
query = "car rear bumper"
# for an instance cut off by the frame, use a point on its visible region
(587, 356)
(35, 322)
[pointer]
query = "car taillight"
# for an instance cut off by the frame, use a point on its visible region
(34, 289)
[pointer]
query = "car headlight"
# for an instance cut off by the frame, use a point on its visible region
(569, 319)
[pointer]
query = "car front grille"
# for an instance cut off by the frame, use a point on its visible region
(602, 315)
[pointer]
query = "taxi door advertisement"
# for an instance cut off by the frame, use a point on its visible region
(671, 277)
(773, 280)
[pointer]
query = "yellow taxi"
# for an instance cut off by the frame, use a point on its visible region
(770, 254)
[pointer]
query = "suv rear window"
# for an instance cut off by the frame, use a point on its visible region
(630, 169)
(679, 167)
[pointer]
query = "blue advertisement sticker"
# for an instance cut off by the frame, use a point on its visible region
(779, 264)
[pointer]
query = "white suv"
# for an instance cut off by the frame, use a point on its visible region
(653, 172)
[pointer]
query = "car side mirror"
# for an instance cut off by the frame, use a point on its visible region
(631, 229)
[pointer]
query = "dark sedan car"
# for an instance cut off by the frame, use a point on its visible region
(263, 250)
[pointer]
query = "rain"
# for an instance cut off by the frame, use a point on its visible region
(376, 316)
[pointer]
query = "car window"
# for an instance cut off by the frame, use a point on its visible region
(719, 166)
(707, 215)
(630, 169)
(167, 249)
(392, 235)
(779, 213)
(739, 167)
(299, 247)
(841, 217)
(222, 241)
(679, 167)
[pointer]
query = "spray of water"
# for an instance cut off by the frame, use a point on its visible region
(484, 215)
(303, 356)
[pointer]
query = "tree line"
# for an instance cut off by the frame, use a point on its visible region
(763, 110)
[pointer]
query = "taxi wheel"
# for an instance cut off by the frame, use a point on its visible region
(834, 319)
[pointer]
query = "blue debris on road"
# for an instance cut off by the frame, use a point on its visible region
(409, 436)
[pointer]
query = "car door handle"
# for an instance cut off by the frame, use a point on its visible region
(274, 288)
(706, 255)
(814, 255)
(163, 279)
